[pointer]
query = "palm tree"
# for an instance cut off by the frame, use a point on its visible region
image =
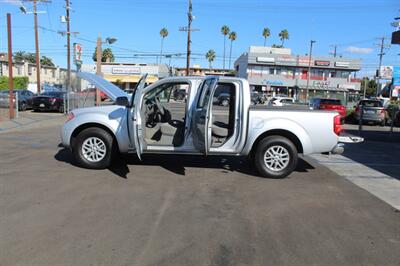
(266, 33)
(232, 37)
(108, 56)
(225, 31)
(210, 55)
(163, 34)
(283, 35)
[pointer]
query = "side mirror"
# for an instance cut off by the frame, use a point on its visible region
(122, 101)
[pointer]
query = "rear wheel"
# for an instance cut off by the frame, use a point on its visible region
(275, 157)
(23, 106)
(93, 148)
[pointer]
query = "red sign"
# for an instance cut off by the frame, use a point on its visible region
(321, 63)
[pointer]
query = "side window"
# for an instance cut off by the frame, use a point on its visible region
(205, 93)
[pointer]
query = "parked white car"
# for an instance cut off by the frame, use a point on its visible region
(281, 101)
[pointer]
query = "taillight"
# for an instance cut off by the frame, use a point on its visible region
(337, 125)
(53, 100)
(357, 109)
(382, 111)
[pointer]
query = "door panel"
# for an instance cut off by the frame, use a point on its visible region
(201, 123)
(134, 118)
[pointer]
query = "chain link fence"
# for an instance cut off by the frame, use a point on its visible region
(5, 105)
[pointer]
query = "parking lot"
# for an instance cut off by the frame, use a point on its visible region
(181, 210)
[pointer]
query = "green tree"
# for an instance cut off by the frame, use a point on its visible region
(225, 31)
(369, 85)
(210, 55)
(107, 55)
(163, 34)
(46, 61)
(22, 56)
(232, 37)
(266, 33)
(283, 35)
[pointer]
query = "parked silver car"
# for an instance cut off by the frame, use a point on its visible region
(372, 112)
(150, 122)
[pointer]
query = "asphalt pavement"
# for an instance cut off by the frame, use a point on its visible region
(175, 210)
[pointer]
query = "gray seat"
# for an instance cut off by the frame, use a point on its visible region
(220, 129)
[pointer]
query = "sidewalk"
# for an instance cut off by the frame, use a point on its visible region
(29, 120)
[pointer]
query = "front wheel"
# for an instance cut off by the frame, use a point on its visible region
(93, 148)
(275, 157)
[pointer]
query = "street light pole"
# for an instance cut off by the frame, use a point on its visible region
(309, 68)
(98, 67)
(68, 55)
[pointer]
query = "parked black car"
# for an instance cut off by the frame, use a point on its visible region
(255, 98)
(25, 98)
(49, 101)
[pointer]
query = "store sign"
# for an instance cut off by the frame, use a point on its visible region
(265, 59)
(286, 60)
(386, 72)
(126, 70)
(321, 83)
(274, 82)
(78, 54)
(347, 86)
(396, 76)
(304, 61)
(342, 64)
(321, 63)
(396, 91)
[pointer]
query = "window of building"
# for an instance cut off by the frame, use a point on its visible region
(278, 71)
(30, 70)
(53, 73)
(271, 71)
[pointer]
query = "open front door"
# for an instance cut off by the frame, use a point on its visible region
(202, 117)
(134, 118)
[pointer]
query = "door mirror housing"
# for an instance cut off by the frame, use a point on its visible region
(122, 101)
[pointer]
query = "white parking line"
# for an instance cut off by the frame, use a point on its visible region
(379, 184)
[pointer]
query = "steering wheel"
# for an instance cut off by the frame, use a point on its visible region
(159, 106)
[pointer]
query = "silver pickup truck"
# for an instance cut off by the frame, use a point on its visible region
(154, 120)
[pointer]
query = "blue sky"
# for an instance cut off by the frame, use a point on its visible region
(352, 24)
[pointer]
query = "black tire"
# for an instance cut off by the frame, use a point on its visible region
(382, 123)
(22, 106)
(225, 102)
(264, 145)
(105, 137)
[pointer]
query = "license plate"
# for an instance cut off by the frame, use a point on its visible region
(41, 105)
(370, 112)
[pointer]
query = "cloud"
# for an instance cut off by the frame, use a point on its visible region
(358, 50)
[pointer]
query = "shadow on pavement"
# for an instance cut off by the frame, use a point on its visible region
(379, 151)
(177, 164)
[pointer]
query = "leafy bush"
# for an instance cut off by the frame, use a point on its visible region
(19, 83)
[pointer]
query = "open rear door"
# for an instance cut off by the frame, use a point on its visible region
(202, 117)
(134, 118)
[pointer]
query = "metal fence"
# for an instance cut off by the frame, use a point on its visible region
(5, 106)
(79, 99)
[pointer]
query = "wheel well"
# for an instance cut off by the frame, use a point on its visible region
(89, 125)
(280, 132)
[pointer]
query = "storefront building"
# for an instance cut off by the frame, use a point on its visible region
(276, 71)
(126, 75)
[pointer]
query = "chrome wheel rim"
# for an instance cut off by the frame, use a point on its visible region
(276, 158)
(94, 149)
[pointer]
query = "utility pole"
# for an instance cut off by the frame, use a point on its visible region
(35, 21)
(10, 68)
(98, 67)
(309, 67)
(382, 46)
(68, 54)
(188, 29)
(38, 68)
